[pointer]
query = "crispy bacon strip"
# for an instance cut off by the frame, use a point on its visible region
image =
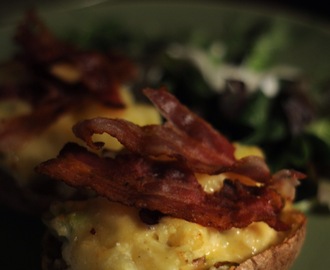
(157, 170)
(189, 123)
(157, 141)
(184, 136)
(152, 141)
(253, 167)
(166, 186)
(127, 178)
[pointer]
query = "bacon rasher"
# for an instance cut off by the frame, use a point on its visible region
(157, 170)
(166, 186)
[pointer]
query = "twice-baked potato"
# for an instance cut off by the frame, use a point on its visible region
(179, 196)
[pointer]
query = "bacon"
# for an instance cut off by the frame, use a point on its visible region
(187, 122)
(157, 170)
(253, 167)
(165, 186)
(127, 178)
(185, 136)
(152, 140)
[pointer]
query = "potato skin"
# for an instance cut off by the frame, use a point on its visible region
(282, 255)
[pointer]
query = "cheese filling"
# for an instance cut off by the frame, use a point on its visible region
(20, 164)
(102, 235)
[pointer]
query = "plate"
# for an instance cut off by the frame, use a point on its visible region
(146, 22)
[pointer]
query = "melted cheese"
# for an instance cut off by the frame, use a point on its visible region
(102, 235)
(242, 150)
(213, 183)
(20, 164)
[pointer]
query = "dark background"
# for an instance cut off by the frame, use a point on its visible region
(314, 9)
(317, 9)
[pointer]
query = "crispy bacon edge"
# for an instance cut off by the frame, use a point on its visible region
(142, 177)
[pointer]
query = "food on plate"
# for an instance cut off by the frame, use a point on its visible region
(178, 195)
(47, 87)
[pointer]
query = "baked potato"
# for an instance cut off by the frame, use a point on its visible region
(179, 196)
